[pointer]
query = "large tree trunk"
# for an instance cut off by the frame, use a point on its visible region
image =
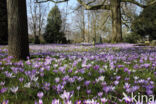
(3, 22)
(116, 21)
(18, 46)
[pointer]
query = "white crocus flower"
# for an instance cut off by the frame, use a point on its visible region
(27, 85)
(14, 89)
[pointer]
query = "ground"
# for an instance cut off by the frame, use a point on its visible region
(84, 74)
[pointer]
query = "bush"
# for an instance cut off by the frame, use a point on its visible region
(145, 23)
(36, 40)
(132, 38)
(153, 43)
(42, 41)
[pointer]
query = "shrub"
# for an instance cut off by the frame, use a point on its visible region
(153, 43)
(36, 40)
(132, 38)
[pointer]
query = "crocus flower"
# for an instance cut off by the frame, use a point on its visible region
(103, 100)
(57, 79)
(5, 102)
(3, 90)
(14, 89)
(55, 101)
(66, 95)
(40, 101)
(87, 83)
(100, 94)
(40, 95)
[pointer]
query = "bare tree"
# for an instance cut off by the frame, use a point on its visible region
(37, 18)
(80, 23)
(115, 7)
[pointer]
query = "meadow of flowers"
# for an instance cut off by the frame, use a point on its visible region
(79, 74)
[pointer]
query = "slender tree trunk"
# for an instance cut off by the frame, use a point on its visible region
(3, 22)
(88, 27)
(83, 24)
(116, 21)
(36, 37)
(95, 37)
(18, 46)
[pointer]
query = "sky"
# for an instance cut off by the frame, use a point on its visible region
(66, 7)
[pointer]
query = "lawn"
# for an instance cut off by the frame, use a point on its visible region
(81, 74)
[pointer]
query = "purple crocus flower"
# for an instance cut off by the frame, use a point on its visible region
(118, 77)
(57, 79)
(120, 66)
(146, 65)
(100, 94)
(135, 88)
(127, 85)
(46, 86)
(106, 89)
(55, 101)
(87, 83)
(66, 95)
(149, 91)
(21, 79)
(40, 95)
(3, 90)
(96, 67)
(5, 102)
(71, 80)
(78, 102)
(88, 91)
(126, 69)
(103, 100)
(116, 82)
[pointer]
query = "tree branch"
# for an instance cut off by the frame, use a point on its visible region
(60, 1)
(94, 7)
(100, 26)
(125, 23)
(86, 4)
(139, 4)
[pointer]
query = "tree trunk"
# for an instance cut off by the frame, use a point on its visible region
(95, 37)
(83, 24)
(3, 22)
(116, 21)
(88, 27)
(18, 46)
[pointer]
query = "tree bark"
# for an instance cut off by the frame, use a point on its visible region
(88, 34)
(18, 46)
(3, 22)
(116, 21)
(94, 28)
(83, 25)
